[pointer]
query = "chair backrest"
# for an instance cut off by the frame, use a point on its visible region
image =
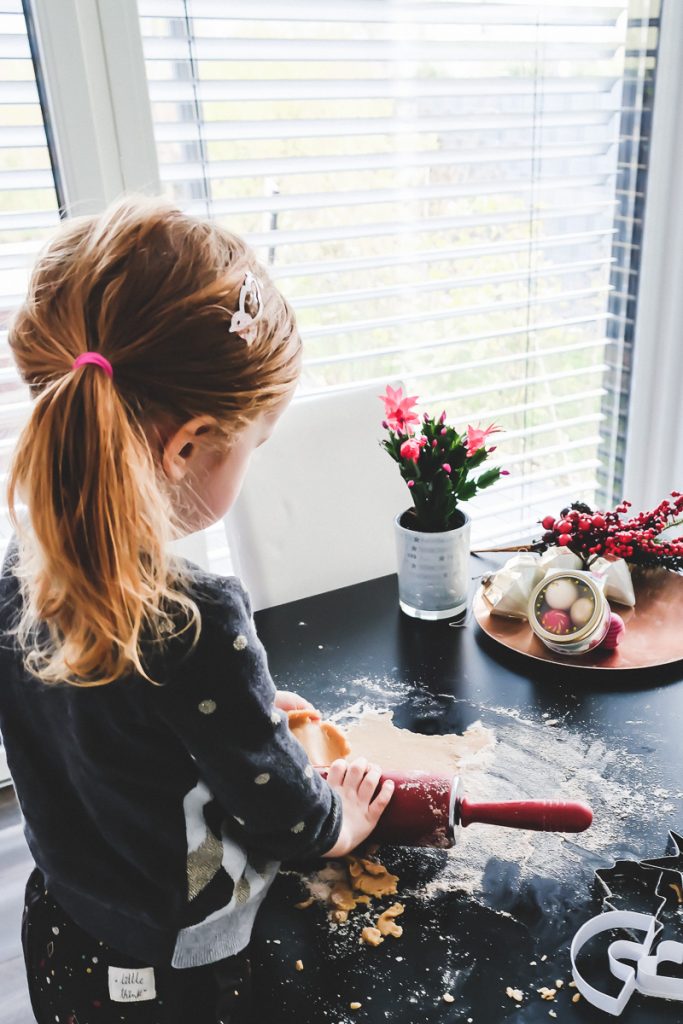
(194, 547)
(316, 509)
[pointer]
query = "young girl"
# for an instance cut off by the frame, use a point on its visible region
(158, 781)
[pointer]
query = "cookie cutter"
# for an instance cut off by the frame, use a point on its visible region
(651, 879)
(630, 880)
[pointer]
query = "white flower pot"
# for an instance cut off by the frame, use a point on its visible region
(433, 570)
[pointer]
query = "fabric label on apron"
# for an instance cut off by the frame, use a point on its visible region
(131, 984)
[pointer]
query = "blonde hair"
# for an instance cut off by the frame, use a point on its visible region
(153, 290)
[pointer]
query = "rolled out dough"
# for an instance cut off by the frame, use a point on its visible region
(375, 737)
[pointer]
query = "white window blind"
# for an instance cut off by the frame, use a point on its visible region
(447, 191)
(29, 211)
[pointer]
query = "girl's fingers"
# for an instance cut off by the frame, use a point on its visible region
(380, 802)
(369, 783)
(301, 704)
(357, 770)
(337, 772)
(288, 701)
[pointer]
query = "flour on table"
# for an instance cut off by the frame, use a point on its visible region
(508, 755)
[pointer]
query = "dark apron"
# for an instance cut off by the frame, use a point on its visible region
(70, 981)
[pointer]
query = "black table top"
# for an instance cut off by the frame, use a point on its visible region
(615, 739)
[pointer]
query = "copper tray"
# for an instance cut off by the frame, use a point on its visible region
(654, 628)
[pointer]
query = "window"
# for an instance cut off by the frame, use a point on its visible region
(29, 211)
(450, 193)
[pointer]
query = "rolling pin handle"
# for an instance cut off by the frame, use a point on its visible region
(539, 815)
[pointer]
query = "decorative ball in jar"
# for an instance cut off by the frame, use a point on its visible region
(568, 611)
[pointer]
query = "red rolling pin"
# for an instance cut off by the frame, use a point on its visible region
(428, 810)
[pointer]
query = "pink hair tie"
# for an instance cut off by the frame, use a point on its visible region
(93, 357)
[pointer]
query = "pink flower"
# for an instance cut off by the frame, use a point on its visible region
(410, 449)
(444, 431)
(411, 483)
(422, 440)
(505, 472)
(400, 415)
(446, 468)
(442, 417)
(476, 438)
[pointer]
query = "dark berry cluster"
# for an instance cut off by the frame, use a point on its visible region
(636, 538)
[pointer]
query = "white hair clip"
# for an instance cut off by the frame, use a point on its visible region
(244, 319)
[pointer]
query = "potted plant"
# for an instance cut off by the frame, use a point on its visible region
(439, 465)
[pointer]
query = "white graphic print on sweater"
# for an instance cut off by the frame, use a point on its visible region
(227, 930)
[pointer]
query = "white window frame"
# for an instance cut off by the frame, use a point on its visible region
(101, 117)
(654, 447)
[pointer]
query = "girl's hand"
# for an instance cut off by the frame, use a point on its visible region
(287, 701)
(356, 783)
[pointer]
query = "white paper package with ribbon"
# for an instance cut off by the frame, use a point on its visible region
(618, 582)
(507, 591)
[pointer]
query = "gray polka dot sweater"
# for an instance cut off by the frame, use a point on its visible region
(159, 814)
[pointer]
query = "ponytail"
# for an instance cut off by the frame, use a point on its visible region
(100, 568)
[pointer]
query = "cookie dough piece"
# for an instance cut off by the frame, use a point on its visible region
(371, 878)
(371, 936)
(386, 923)
(373, 867)
(322, 741)
(342, 897)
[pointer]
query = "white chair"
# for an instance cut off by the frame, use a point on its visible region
(317, 506)
(194, 547)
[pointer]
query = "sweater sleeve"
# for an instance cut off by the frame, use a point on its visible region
(219, 701)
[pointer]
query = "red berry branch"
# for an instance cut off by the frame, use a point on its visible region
(637, 539)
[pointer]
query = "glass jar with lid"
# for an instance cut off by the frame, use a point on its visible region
(568, 611)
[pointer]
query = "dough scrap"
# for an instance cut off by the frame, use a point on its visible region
(386, 924)
(371, 936)
(355, 881)
(373, 867)
(342, 897)
(324, 742)
(371, 878)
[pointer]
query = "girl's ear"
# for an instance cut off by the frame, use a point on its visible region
(182, 446)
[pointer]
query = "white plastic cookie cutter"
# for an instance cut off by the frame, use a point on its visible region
(635, 978)
(644, 977)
